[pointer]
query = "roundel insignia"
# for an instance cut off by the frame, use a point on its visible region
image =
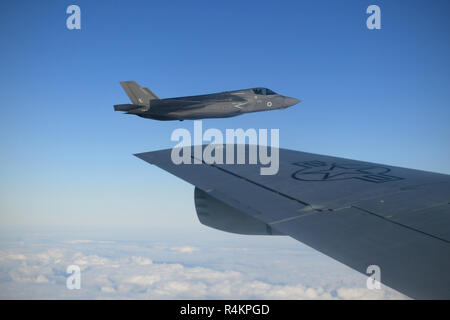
(269, 103)
(325, 171)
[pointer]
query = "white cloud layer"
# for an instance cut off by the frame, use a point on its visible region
(120, 270)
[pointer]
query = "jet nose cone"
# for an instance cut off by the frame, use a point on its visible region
(288, 101)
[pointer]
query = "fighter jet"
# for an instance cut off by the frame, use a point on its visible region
(226, 104)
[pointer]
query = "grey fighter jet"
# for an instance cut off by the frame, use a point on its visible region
(216, 105)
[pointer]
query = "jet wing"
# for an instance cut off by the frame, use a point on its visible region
(168, 105)
(358, 213)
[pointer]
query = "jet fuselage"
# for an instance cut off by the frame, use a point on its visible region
(216, 105)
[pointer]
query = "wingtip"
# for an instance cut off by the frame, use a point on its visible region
(154, 156)
(139, 155)
(145, 156)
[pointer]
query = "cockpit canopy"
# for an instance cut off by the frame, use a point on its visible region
(263, 91)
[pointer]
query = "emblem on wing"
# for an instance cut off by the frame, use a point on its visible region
(316, 170)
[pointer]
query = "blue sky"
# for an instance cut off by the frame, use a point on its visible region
(380, 96)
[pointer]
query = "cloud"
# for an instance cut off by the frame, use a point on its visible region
(123, 271)
(12, 256)
(17, 276)
(107, 290)
(141, 261)
(90, 260)
(51, 255)
(79, 241)
(185, 249)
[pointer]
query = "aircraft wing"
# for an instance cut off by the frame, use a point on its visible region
(358, 213)
(167, 105)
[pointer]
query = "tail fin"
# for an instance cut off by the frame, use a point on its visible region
(137, 94)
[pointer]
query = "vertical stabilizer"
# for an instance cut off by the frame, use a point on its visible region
(137, 94)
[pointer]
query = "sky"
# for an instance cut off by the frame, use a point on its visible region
(67, 164)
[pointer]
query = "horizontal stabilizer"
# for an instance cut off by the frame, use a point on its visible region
(126, 107)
